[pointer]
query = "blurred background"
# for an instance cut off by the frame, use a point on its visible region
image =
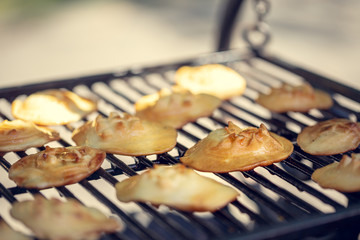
(42, 40)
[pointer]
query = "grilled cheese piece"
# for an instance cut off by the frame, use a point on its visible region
(55, 167)
(57, 220)
(175, 107)
(343, 176)
(235, 149)
(18, 135)
(300, 98)
(330, 137)
(177, 187)
(126, 135)
(214, 79)
(52, 107)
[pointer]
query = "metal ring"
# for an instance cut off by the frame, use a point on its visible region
(257, 36)
(262, 8)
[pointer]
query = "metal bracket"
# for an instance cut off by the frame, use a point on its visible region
(256, 35)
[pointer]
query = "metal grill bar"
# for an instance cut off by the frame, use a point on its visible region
(142, 231)
(136, 227)
(168, 223)
(302, 187)
(316, 80)
(275, 201)
(263, 182)
(266, 183)
(290, 197)
(7, 194)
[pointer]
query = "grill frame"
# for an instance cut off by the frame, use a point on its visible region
(342, 220)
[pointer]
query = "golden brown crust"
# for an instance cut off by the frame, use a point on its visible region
(7, 233)
(52, 107)
(126, 135)
(343, 176)
(295, 98)
(56, 220)
(234, 149)
(214, 79)
(18, 135)
(175, 107)
(176, 186)
(330, 137)
(56, 167)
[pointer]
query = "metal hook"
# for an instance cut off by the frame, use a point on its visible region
(257, 36)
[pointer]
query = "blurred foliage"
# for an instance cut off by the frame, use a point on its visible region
(18, 11)
(13, 11)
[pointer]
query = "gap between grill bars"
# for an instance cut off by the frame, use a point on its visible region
(279, 200)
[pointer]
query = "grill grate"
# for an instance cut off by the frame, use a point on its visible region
(277, 201)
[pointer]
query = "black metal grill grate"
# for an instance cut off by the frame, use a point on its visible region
(277, 201)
